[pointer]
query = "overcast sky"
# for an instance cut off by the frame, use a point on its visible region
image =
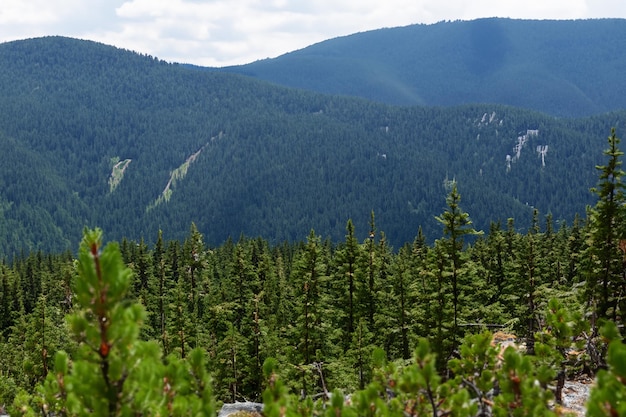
(228, 32)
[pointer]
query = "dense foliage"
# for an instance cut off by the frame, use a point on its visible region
(404, 331)
(394, 307)
(546, 65)
(95, 136)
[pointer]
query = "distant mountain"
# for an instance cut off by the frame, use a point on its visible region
(91, 135)
(563, 68)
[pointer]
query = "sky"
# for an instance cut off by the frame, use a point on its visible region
(219, 33)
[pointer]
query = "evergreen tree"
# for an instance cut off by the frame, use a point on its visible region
(605, 255)
(360, 353)
(398, 304)
(496, 261)
(367, 288)
(245, 281)
(529, 282)
(309, 276)
(159, 288)
(575, 250)
(194, 264)
(140, 264)
(437, 291)
(113, 373)
(456, 225)
(344, 284)
(9, 299)
(422, 288)
(231, 365)
(382, 282)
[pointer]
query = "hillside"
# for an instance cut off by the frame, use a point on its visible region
(258, 159)
(563, 68)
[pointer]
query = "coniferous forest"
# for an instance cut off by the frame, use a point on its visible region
(548, 65)
(174, 239)
(100, 137)
(169, 327)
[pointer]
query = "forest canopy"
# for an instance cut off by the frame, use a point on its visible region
(277, 245)
(351, 316)
(234, 155)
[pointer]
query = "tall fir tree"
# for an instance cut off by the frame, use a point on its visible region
(456, 226)
(606, 249)
(344, 284)
(368, 286)
(310, 277)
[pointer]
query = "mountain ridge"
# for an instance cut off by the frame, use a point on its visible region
(563, 68)
(294, 160)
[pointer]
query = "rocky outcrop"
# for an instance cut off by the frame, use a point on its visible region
(248, 408)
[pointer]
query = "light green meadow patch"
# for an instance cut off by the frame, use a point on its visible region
(176, 175)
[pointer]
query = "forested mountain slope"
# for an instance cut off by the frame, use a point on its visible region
(563, 68)
(93, 135)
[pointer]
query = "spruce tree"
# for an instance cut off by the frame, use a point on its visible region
(606, 251)
(398, 302)
(159, 288)
(529, 280)
(344, 284)
(456, 225)
(310, 277)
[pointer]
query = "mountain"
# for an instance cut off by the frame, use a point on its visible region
(92, 135)
(563, 68)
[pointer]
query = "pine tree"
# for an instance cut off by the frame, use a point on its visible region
(113, 373)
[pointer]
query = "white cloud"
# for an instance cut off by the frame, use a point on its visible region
(224, 32)
(33, 13)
